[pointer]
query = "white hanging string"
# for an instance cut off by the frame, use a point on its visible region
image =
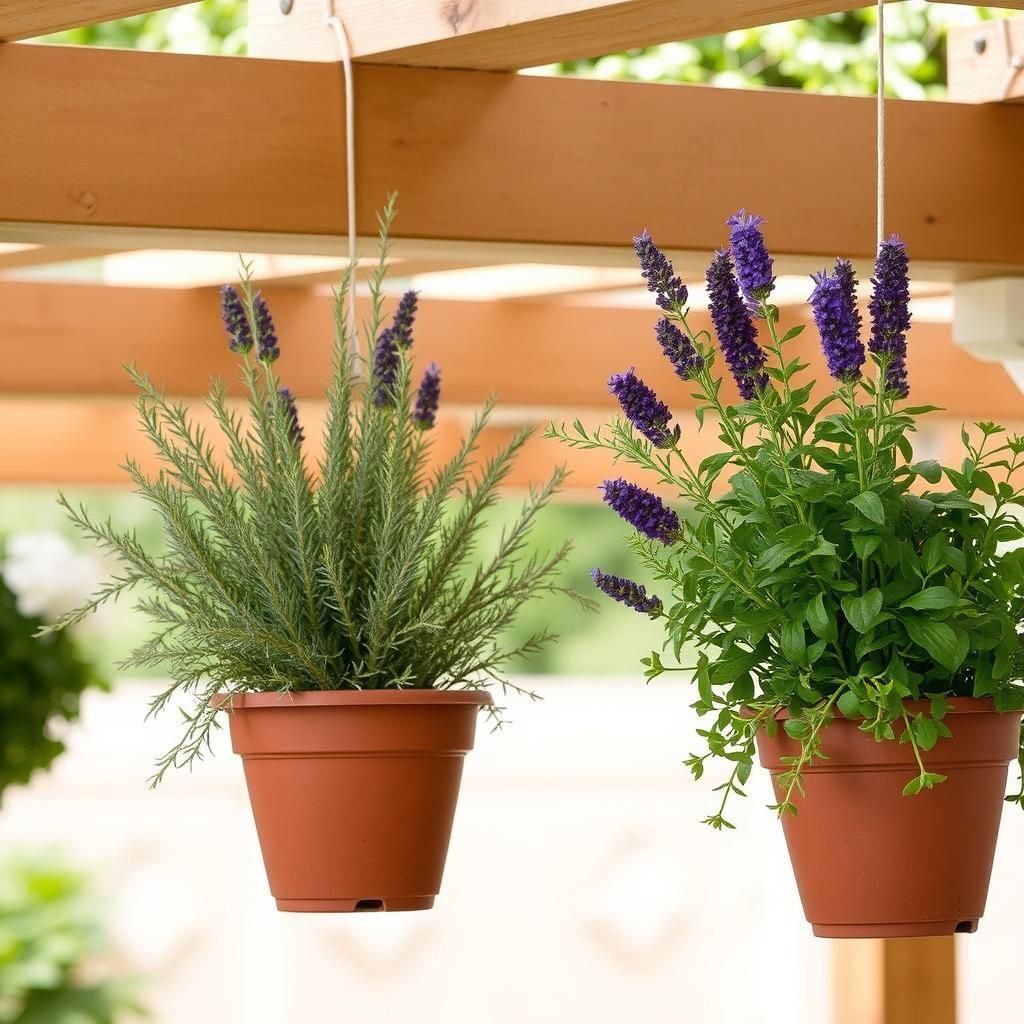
(335, 24)
(880, 129)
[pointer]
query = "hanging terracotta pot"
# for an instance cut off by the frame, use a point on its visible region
(354, 791)
(872, 863)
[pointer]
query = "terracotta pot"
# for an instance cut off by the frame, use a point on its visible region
(872, 863)
(354, 792)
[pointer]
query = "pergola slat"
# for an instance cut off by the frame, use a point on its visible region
(74, 339)
(509, 34)
(247, 151)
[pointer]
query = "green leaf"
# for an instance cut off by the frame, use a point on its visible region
(793, 642)
(930, 599)
(927, 780)
(929, 469)
(926, 733)
(849, 704)
(821, 619)
(796, 728)
(861, 611)
(937, 640)
(870, 506)
(865, 544)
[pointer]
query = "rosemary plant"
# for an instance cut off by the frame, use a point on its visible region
(832, 575)
(355, 571)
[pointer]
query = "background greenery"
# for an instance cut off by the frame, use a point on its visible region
(50, 936)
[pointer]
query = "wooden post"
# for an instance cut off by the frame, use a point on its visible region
(895, 981)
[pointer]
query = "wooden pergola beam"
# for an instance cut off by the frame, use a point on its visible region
(509, 34)
(249, 152)
(74, 339)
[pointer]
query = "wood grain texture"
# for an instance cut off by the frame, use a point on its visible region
(508, 34)
(978, 61)
(244, 149)
(74, 339)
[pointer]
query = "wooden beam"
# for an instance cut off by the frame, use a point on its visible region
(508, 34)
(245, 151)
(985, 62)
(80, 440)
(26, 19)
(895, 981)
(74, 339)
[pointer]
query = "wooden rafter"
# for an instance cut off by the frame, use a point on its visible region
(247, 152)
(502, 34)
(74, 339)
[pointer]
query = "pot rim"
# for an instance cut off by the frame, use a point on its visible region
(349, 698)
(958, 705)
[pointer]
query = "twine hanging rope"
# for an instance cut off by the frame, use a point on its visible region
(335, 24)
(880, 129)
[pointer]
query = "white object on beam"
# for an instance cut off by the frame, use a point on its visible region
(988, 321)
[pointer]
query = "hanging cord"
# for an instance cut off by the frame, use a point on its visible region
(334, 23)
(880, 129)
(1014, 61)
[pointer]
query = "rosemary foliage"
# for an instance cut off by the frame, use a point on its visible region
(357, 572)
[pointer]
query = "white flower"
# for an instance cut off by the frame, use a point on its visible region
(47, 576)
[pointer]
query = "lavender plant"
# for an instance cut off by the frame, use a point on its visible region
(832, 575)
(353, 571)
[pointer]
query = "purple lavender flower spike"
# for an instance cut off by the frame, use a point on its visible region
(291, 412)
(753, 264)
(678, 349)
(656, 269)
(834, 303)
(643, 510)
(735, 328)
(643, 408)
(626, 592)
(266, 339)
(428, 398)
(393, 338)
(890, 312)
(385, 368)
(236, 323)
(403, 319)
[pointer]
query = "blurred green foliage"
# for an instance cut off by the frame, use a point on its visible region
(41, 682)
(214, 26)
(49, 937)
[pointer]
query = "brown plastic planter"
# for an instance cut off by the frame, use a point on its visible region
(872, 863)
(354, 792)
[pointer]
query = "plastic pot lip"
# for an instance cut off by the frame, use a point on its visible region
(350, 698)
(958, 705)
